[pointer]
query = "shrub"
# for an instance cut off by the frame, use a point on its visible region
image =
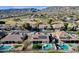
(2, 22)
(27, 26)
(17, 46)
(17, 19)
(50, 21)
(65, 37)
(77, 32)
(66, 26)
(78, 48)
(37, 46)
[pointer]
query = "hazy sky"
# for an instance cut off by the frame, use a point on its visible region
(19, 7)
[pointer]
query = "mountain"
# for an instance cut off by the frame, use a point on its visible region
(55, 9)
(5, 13)
(51, 10)
(24, 9)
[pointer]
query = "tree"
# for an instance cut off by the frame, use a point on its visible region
(21, 27)
(17, 19)
(77, 32)
(36, 28)
(27, 26)
(66, 26)
(73, 28)
(25, 36)
(2, 22)
(50, 21)
(52, 27)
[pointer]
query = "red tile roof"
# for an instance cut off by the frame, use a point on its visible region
(13, 37)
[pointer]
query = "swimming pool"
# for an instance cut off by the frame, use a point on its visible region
(5, 48)
(65, 47)
(47, 46)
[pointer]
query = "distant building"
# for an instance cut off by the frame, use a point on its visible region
(58, 26)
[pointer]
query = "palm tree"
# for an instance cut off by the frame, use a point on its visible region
(26, 44)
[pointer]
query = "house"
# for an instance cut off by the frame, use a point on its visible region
(58, 26)
(71, 18)
(72, 26)
(8, 27)
(41, 26)
(12, 38)
(39, 39)
(2, 27)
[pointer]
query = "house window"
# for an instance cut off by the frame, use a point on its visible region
(71, 41)
(44, 42)
(8, 42)
(37, 42)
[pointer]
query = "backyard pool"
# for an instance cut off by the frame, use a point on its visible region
(47, 46)
(65, 46)
(5, 48)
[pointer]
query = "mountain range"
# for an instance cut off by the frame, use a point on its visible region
(50, 9)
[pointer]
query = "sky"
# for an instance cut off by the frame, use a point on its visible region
(19, 7)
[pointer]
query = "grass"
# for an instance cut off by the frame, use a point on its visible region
(47, 51)
(37, 46)
(55, 51)
(17, 46)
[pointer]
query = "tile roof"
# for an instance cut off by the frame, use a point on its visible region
(12, 37)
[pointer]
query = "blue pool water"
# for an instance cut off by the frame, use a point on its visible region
(5, 48)
(47, 46)
(65, 47)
